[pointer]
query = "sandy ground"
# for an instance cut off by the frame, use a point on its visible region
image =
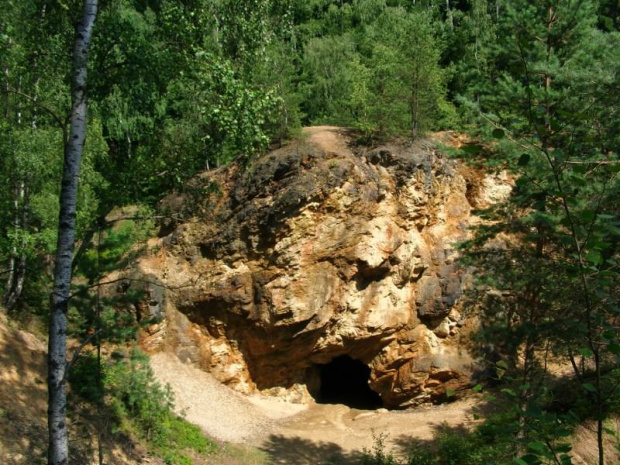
(293, 433)
(330, 138)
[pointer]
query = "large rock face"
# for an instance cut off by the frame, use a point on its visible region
(319, 249)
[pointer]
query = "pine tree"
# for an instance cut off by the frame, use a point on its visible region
(549, 108)
(407, 84)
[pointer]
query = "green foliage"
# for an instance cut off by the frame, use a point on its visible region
(383, 76)
(332, 69)
(104, 251)
(547, 260)
(141, 406)
(86, 378)
(245, 31)
(377, 455)
(407, 84)
(114, 247)
(493, 442)
(485, 445)
(229, 115)
(137, 398)
(180, 437)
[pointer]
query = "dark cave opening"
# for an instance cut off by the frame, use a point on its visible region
(345, 381)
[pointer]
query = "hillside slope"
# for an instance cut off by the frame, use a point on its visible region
(23, 411)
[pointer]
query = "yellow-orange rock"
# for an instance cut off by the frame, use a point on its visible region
(319, 249)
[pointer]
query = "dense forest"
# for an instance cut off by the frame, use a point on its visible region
(176, 87)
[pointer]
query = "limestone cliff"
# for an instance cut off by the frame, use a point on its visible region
(319, 249)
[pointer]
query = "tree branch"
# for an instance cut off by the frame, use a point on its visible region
(53, 114)
(78, 351)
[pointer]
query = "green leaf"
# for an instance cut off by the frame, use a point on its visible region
(588, 387)
(531, 459)
(502, 364)
(450, 393)
(471, 149)
(614, 348)
(510, 392)
(477, 388)
(587, 216)
(524, 159)
(563, 432)
(595, 257)
(562, 448)
(498, 133)
(586, 352)
(537, 446)
(580, 169)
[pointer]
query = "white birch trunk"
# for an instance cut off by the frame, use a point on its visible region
(58, 453)
(17, 270)
(12, 261)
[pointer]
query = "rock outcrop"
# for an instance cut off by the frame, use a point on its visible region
(317, 250)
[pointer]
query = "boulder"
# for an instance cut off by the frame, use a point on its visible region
(319, 249)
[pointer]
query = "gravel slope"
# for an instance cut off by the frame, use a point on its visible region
(221, 412)
(292, 433)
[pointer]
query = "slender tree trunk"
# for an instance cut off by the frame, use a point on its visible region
(17, 268)
(12, 261)
(37, 78)
(415, 105)
(21, 266)
(20, 278)
(449, 15)
(7, 106)
(7, 85)
(58, 453)
(98, 344)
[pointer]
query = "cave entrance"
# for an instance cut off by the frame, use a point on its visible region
(345, 381)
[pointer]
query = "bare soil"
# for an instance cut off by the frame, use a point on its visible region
(299, 434)
(23, 411)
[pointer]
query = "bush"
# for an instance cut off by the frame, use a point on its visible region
(377, 455)
(85, 379)
(141, 406)
(136, 395)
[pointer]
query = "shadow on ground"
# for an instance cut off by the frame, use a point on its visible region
(404, 443)
(288, 450)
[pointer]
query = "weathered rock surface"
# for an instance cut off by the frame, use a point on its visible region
(319, 249)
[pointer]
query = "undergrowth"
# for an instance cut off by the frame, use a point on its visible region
(141, 407)
(495, 441)
(448, 447)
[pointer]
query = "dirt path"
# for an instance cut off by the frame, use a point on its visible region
(293, 433)
(330, 138)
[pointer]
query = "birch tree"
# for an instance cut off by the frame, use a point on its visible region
(58, 453)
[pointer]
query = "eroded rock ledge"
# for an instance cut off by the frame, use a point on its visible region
(320, 249)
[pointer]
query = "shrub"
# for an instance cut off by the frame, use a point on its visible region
(141, 406)
(377, 455)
